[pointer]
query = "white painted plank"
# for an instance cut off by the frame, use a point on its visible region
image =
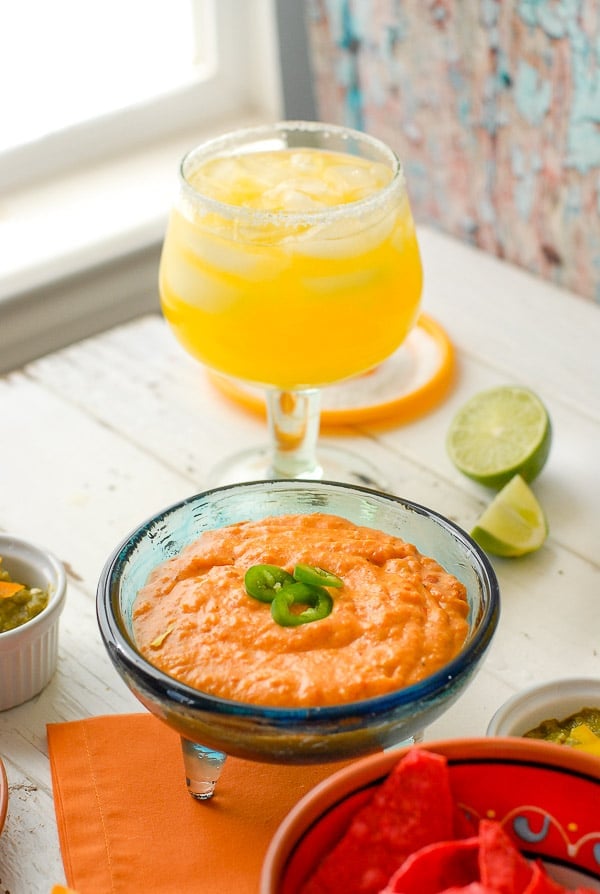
(182, 420)
(71, 484)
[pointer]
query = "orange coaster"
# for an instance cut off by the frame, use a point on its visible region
(411, 382)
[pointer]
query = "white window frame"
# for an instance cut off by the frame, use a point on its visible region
(233, 79)
(80, 230)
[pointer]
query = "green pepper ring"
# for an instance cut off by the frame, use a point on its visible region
(317, 599)
(317, 576)
(263, 582)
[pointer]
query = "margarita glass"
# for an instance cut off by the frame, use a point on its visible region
(291, 262)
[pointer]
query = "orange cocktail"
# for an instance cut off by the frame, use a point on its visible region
(291, 262)
(298, 267)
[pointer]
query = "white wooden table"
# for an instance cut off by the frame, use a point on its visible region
(103, 434)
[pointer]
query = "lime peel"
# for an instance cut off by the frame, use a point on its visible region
(514, 523)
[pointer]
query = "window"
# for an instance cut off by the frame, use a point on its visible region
(120, 54)
(90, 79)
(103, 98)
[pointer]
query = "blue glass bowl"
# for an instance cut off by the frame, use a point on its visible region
(295, 735)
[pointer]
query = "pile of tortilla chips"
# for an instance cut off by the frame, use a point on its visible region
(408, 839)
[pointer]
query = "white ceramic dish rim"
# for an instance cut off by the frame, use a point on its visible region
(44, 564)
(558, 698)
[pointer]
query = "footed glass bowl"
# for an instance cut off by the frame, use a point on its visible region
(296, 735)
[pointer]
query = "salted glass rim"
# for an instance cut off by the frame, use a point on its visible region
(483, 626)
(226, 144)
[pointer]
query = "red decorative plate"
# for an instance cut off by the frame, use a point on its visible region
(545, 796)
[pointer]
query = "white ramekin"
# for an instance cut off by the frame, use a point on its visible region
(554, 699)
(28, 654)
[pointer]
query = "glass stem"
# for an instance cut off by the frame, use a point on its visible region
(293, 418)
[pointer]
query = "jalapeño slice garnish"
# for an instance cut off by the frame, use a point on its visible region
(317, 600)
(263, 582)
(313, 574)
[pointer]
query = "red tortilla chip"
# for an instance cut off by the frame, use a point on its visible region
(412, 808)
(502, 867)
(436, 868)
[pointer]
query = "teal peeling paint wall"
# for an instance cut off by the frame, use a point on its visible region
(494, 107)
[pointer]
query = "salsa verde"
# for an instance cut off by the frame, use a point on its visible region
(18, 602)
(579, 730)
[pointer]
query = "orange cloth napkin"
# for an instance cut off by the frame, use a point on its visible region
(127, 824)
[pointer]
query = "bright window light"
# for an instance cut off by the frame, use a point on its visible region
(65, 62)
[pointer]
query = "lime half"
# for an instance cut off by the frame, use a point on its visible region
(500, 433)
(514, 523)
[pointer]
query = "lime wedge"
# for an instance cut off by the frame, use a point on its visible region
(514, 523)
(500, 433)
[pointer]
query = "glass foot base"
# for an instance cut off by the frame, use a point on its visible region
(333, 464)
(202, 769)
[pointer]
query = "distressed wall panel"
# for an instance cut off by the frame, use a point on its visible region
(494, 108)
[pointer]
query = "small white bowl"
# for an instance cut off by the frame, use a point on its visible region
(28, 654)
(555, 699)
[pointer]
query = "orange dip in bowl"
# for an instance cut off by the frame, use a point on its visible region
(398, 618)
